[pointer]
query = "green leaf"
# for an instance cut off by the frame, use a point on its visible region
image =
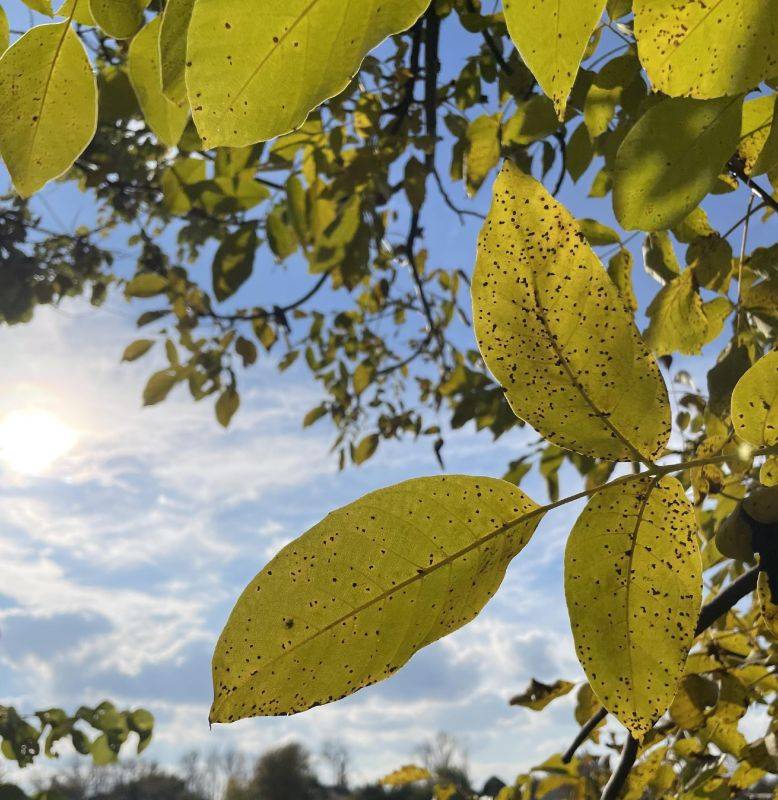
(538, 695)
(551, 37)
(172, 48)
(483, 150)
(633, 582)
(255, 72)
(76, 11)
(415, 183)
(554, 332)
(41, 6)
(5, 30)
(755, 132)
(227, 405)
(120, 19)
(755, 403)
(234, 261)
(671, 159)
(620, 272)
(707, 50)
(48, 105)
(167, 120)
(137, 349)
(534, 119)
(659, 257)
(350, 601)
(147, 284)
(680, 321)
(598, 234)
(159, 386)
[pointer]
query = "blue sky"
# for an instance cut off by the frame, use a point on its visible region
(121, 558)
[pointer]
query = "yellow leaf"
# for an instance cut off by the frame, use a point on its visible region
(405, 775)
(167, 120)
(551, 37)
(121, 19)
(706, 50)
(538, 695)
(255, 71)
(633, 581)
(483, 150)
(351, 600)
(768, 609)
(48, 105)
(755, 131)
(554, 331)
(755, 403)
(172, 48)
(80, 14)
(671, 159)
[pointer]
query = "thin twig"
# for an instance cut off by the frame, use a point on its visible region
(628, 755)
(736, 166)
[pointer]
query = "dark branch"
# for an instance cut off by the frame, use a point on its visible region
(560, 137)
(401, 110)
(586, 731)
(628, 755)
(492, 44)
(737, 168)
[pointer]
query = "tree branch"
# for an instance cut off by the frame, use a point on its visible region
(628, 755)
(401, 110)
(736, 166)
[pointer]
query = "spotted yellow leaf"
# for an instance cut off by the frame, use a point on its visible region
(48, 105)
(172, 48)
(255, 71)
(350, 601)
(633, 582)
(707, 49)
(755, 403)
(554, 331)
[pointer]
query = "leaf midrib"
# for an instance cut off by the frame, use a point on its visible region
(420, 575)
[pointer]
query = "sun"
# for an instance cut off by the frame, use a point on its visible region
(31, 440)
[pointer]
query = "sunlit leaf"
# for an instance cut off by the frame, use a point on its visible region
(166, 119)
(48, 105)
(234, 261)
(706, 50)
(350, 601)
(172, 48)
(554, 330)
(633, 581)
(551, 37)
(671, 158)
(755, 403)
(405, 775)
(120, 19)
(538, 695)
(254, 73)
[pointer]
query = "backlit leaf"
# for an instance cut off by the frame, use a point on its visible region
(671, 158)
(633, 581)
(351, 600)
(121, 19)
(255, 72)
(166, 119)
(755, 403)
(551, 37)
(555, 333)
(756, 127)
(172, 48)
(706, 50)
(538, 695)
(234, 261)
(48, 105)
(5, 30)
(483, 150)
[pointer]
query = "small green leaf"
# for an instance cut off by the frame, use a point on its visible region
(633, 581)
(755, 403)
(167, 120)
(227, 405)
(350, 601)
(554, 331)
(48, 105)
(365, 449)
(159, 386)
(483, 150)
(707, 50)
(551, 38)
(137, 349)
(234, 261)
(670, 160)
(598, 234)
(415, 182)
(120, 19)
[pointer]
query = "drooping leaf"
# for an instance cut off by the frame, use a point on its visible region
(255, 72)
(707, 50)
(137, 349)
(48, 105)
(538, 695)
(166, 119)
(351, 600)
(551, 37)
(234, 261)
(483, 150)
(227, 405)
(755, 403)
(633, 581)
(121, 19)
(555, 333)
(172, 48)
(159, 386)
(620, 272)
(671, 158)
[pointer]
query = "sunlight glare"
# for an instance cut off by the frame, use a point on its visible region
(31, 440)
